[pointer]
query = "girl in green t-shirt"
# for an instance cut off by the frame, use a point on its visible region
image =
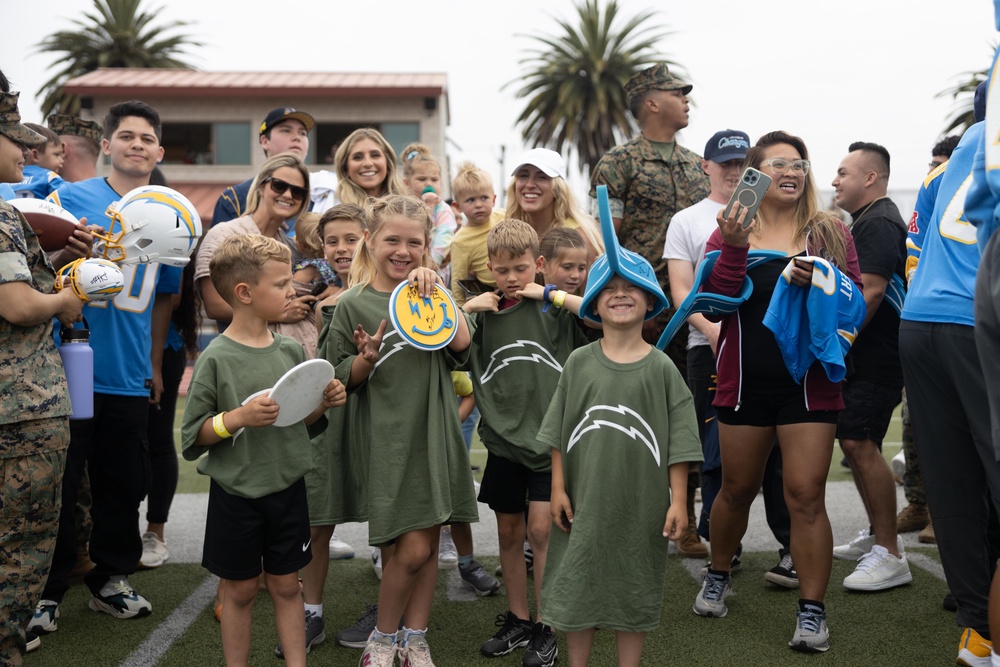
(407, 417)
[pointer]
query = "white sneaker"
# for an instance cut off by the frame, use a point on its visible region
(899, 467)
(154, 551)
(377, 562)
(879, 570)
(856, 548)
(340, 550)
(447, 553)
(117, 598)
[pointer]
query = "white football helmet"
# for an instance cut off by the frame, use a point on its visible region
(92, 280)
(154, 224)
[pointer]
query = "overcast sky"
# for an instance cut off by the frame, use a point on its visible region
(832, 73)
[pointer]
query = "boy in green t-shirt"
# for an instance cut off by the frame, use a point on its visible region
(518, 350)
(622, 431)
(257, 508)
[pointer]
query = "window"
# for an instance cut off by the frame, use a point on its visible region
(206, 143)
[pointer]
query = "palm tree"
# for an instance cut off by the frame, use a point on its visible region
(962, 94)
(118, 34)
(574, 85)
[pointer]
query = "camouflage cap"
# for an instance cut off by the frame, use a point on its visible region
(10, 122)
(62, 123)
(657, 77)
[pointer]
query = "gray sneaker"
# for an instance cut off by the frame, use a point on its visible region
(315, 633)
(479, 579)
(811, 634)
(357, 635)
(711, 601)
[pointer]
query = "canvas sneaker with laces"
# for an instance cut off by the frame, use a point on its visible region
(357, 635)
(478, 578)
(416, 653)
(340, 550)
(811, 634)
(734, 566)
(32, 642)
(856, 548)
(514, 633)
(379, 653)
(447, 553)
(315, 633)
(154, 551)
(711, 601)
(45, 617)
(542, 650)
(973, 650)
(879, 570)
(783, 574)
(120, 600)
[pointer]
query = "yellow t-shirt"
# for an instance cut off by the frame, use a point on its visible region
(468, 255)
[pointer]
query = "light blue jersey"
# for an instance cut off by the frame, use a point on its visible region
(943, 284)
(38, 182)
(120, 329)
(982, 205)
(6, 192)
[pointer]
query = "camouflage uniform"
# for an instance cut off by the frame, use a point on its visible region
(65, 124)
(649, 191)
(913, 481)
(34, 429)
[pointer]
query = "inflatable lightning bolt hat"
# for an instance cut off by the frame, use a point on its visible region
(618, 261)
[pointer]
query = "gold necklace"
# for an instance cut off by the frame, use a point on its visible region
(861, 215)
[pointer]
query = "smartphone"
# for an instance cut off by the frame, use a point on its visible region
(749, 193)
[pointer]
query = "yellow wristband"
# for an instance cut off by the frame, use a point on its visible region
(559, 299)
(219, 424)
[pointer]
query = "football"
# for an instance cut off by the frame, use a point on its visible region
(53, 224)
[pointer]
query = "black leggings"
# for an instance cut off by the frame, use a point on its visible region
(162, 452)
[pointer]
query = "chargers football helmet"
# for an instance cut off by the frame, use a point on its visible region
(150, 224)
(92, 280)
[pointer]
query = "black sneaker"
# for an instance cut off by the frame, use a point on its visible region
(542, 651)
(735, 566)
(783, 574)
(514, 633)
(357, 635)
(31, 641)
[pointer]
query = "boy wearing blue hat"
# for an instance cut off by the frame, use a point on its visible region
(622, 431)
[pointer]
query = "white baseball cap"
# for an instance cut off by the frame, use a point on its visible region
(548, 161)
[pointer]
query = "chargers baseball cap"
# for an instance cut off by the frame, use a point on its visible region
(727, 145)
(548, 161)
(285, 113)
(10, 122)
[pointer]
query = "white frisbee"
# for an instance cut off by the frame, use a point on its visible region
(300, 390)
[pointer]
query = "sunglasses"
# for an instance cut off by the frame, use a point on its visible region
(279, 187)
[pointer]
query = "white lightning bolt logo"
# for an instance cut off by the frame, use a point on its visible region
(395, 348)
(541, 356)
(648, 438)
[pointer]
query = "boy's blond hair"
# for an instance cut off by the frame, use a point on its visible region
(307, 235)
(241, 259)
(511, 238)
(469, 179)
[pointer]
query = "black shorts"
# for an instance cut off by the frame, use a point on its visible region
(868, 408)
(774, 406)
(508, 487)
(242, 533)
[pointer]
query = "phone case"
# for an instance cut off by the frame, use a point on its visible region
(749, 193)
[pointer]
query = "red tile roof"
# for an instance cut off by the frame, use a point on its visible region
(193, 83)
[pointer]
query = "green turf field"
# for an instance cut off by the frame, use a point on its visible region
(902, 627)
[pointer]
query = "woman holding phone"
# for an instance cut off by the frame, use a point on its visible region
(757, 399)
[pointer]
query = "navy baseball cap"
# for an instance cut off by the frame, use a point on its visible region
(979, 102)
(727, 145)
(285, 113)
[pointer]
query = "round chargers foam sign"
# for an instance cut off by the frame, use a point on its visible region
(425, 323)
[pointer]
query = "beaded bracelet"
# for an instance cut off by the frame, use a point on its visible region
(219, 424)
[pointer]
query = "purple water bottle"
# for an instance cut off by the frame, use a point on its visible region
(78, 362)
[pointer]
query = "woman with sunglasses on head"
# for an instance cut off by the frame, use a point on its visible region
(757, 398)
(280, 191)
